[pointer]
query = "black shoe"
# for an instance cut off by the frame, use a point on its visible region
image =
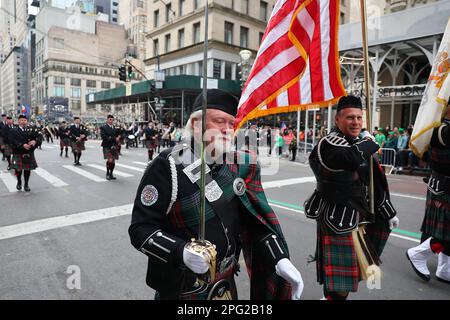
(424, 277)
(108, 177)
(27, 188)
(112, 177)
(19, 186)
(61, 154)
(442, 280)
(67, 155)
(9, 168)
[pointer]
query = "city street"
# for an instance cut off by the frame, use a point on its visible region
(74, 219)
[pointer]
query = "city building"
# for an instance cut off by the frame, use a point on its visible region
(78, 56)
(403, 40)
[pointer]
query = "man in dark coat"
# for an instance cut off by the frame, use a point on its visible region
(436, 223)
(7, 149)
(110, 142)
(165, 217)
(340, 162)
(23, 140)
(78, 136)
(64, 138)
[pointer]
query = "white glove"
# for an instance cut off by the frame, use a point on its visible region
(288, 272)
(195, 261)
(394, 223)
(367, 134)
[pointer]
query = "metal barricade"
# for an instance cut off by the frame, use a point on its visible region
(386, 158)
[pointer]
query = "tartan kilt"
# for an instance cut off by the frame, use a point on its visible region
(19, 164)
(336, 260)
(110, 153)
(436, 222)
(150, 144)
(7, 150)
(64, 142)
(2, 143)
(78, 146)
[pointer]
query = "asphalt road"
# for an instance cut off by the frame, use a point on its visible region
(75, 224)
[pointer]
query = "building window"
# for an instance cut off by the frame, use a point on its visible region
(75, 92)
(75, 82)
(181, 7)
(59, 43)
(167, 43)
(106, 85)
(168, 11)
(90, 91)
(58, 91)
(91, 83)
(155, 47)
(228, 70)
(261, 35)
(196, 4)
(228, 32)
(59, 80)
(244, 6)
(263, 11)
(196, 33)
(244, 37)
(76, 104)
(216, 68)
(180, 38)
(140, 4)
(114, 19)
(156, 18)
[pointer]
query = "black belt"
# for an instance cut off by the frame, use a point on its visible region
(340, 193)
(444, 181)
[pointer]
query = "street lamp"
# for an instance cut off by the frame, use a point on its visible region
(245, 65)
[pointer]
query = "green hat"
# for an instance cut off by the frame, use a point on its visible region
(401, 130)
(391, 132)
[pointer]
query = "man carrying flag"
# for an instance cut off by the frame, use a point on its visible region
(432, 133)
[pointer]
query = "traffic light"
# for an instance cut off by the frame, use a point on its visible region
(122, 73)
(130, 72)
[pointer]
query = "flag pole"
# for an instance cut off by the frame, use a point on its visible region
(367, 95)
(201, 233)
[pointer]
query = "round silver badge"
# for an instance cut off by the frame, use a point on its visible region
(149, 195)
(239, 186)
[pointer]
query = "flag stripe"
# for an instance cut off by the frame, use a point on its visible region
(297, 64)
(325, 44)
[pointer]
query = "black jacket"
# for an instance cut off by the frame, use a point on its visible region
(18, 137)
(108, 135)
(77, 132)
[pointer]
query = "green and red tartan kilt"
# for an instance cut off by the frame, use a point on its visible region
(64, 142)
(7, 150)
(336, 261)
(436, 222)
(110, 153)
(20, 162)
(150, 144)
(78, 146)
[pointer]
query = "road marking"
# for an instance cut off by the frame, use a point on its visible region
(31, 227)
(9, 181)
(85, 174)
(398, 233)
(129, 167)
(407, 196)
(56, 182)
(116, 172)
(141, 163)
(49, 147)
(287, 182)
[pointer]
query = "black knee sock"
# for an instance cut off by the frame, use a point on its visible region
(67, 150)
(26, 175)
(19, 176)
(8, 158)
(329, 295)
(79, 156)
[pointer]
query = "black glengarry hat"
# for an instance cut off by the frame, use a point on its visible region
(219, 100)
(349, 102)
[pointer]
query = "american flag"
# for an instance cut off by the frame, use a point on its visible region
(297, 63)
